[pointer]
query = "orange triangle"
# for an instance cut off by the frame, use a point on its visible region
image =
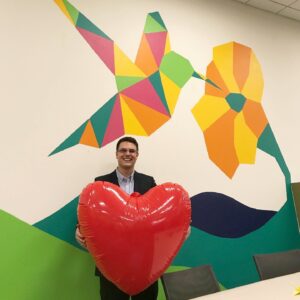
(149, 118)
(213, 74)
(88, 136)
(145, 59)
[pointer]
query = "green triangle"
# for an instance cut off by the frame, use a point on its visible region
(64, 268)
(156, 82)
(124, 82)
(47, 268)
(86, 24)
(177, 68)
(101, 118)
(156, 16)
(71, 141)
(152, 25)
(72, 11)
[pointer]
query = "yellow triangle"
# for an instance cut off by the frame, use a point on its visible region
(124, 66)
(88, 136)
(131, 124)
(168, 45)
(171, 91)
(245, 141)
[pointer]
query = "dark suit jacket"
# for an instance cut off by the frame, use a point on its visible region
(142, 183)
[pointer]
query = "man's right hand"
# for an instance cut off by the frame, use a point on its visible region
(80, 238)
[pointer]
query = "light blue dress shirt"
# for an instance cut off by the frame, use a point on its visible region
(126, 183)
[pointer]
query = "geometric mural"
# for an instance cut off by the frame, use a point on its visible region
(234, 126)
(148, 89)
(225, 232)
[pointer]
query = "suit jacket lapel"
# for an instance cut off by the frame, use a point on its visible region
(137, 182)
(114, 178)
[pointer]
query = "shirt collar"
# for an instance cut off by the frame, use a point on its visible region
(122, 177)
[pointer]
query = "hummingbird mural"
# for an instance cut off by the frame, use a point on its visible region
(147, 89)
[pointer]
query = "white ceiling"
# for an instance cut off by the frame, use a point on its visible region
(286, 8)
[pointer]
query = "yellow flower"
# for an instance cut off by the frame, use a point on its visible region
(230, 115)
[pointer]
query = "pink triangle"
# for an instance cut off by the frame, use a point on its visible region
(115, 127)
(144, 92)
(157, 42)
(103, 47)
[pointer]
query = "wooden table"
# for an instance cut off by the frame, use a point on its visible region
(279, 288)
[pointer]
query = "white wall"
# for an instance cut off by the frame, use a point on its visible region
(51, 81)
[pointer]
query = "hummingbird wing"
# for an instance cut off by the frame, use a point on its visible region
(126, 72)
(138, 110)
(97, 130)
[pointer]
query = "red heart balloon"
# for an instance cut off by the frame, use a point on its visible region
(133, 239)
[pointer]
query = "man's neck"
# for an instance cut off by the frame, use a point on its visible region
(125, 172)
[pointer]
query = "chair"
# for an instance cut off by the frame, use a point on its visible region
(190, 283)
(277, 264)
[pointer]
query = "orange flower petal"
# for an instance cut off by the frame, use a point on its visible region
(241, 63)
(219, 139)
(255, 117)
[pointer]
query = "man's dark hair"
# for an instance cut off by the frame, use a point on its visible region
(127, 139)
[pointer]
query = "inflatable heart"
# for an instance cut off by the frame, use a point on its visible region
(133, 239)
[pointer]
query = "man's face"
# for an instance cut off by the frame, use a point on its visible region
(127, 155)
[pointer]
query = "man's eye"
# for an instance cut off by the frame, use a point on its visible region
(132, 151)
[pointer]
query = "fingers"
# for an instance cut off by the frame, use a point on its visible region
(80, 238)
(188, 233)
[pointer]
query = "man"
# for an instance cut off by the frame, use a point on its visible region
(127, 152)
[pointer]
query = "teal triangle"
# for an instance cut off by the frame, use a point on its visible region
(71, 141)
(212, 83)
(267, 143)
(101, 118)
(156, 82)
(196, 75)
(62, 223)
(86, 24)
